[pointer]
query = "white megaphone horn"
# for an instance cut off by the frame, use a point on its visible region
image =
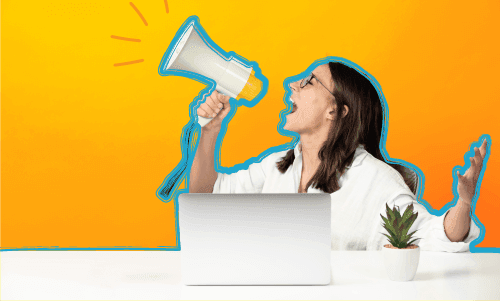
(190, 55)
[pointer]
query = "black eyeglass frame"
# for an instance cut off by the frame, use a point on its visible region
(308, 79)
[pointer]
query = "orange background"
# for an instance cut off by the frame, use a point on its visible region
(85, 145)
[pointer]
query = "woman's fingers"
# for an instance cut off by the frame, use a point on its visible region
(467, 182)
(477, 154)
(213, 105)
(224, 99)
(201, 112)
(209, 110)
(213, 102)
(478, 158)
(473, 165)
(209, 107)
(482, 150)
(218, 99)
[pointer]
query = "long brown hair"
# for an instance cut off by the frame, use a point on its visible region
(362, 125)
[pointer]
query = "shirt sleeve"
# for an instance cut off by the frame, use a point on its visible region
(430, 228)
(249, 180)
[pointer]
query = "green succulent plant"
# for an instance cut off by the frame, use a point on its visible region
(398, 226)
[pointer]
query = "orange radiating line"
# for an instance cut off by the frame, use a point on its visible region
(128, 63)
(139, 13)
(166, 5)
(125, 39)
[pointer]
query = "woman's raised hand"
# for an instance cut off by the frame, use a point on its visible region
(467, 182)
(216, 106)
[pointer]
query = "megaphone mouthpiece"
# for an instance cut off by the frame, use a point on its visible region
(252, 88)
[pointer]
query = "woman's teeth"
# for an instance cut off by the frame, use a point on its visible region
(294, 106)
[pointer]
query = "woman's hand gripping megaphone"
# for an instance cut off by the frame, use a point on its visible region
(212, 112)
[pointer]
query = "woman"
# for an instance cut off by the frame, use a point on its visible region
(338, 115)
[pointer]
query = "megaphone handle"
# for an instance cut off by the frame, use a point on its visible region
(203, 120)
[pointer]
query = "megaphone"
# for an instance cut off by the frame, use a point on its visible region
(192, 56)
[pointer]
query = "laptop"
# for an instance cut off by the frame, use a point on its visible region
(255, 239)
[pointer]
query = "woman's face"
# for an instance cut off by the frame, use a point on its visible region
(312, 103)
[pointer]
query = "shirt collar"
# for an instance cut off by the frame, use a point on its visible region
(359, 154)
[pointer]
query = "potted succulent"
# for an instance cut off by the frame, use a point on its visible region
(400, 256)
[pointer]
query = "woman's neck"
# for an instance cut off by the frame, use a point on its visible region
(310, 145)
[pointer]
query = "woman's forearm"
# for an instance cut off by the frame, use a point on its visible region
(203, 174)
(457, 222)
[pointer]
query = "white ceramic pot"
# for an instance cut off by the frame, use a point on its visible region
(401, 264)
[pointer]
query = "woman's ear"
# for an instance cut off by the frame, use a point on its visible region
(346, 110)
(331, 113)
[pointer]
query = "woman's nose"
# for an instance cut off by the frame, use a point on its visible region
(295, 86)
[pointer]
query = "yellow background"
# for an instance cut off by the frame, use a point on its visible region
(85, 145)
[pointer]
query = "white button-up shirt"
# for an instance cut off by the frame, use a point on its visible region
(365, 188)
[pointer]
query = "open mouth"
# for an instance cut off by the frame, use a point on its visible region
(294, 106)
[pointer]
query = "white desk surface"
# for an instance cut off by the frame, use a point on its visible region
(156, 275)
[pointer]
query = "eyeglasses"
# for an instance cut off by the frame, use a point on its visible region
(308, 79)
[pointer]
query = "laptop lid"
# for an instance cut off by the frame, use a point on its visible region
(255, 239)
